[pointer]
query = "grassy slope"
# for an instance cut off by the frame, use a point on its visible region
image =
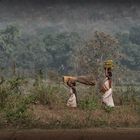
(45, 106)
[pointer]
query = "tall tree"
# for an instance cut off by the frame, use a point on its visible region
(90, 57)
(9, 42)
(59, 48)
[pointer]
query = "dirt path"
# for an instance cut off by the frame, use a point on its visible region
(83, 134)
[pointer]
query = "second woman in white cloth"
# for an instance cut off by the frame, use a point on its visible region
(107, 98)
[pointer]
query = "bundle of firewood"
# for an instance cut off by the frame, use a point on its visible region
(71, 80)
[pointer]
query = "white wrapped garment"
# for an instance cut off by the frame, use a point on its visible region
(72, 100)
(107, 97)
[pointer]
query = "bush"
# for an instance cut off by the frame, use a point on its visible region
(16, 110)
(4, 92)
(15, 83)
(90, 103)
(8, 87)
(108, 109)
(48, 94)
(128, 95)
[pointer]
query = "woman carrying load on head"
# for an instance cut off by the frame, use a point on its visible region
(106, 88)
(71, 82)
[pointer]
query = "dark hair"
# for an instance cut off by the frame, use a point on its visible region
(71, 82)
(109, 74)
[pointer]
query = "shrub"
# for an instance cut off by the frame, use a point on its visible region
(15, 109)
(4, 93)
(15, 83)
(8, 87)
(108, 109)
(128, 95)
(90, 103)
(47, 94)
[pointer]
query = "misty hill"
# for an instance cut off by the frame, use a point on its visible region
(44, 35)
(85, 17)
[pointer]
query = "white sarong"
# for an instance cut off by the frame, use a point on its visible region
(72, 101)
(107, 98)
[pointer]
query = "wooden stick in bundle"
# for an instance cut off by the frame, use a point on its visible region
(86, 80)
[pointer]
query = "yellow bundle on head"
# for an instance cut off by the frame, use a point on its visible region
(108, 64)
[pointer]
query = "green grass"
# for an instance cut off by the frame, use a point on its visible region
(44, 106)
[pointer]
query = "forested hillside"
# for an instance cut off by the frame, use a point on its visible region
(69, 38)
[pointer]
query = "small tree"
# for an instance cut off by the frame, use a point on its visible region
(90, 57)
(9, 42)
